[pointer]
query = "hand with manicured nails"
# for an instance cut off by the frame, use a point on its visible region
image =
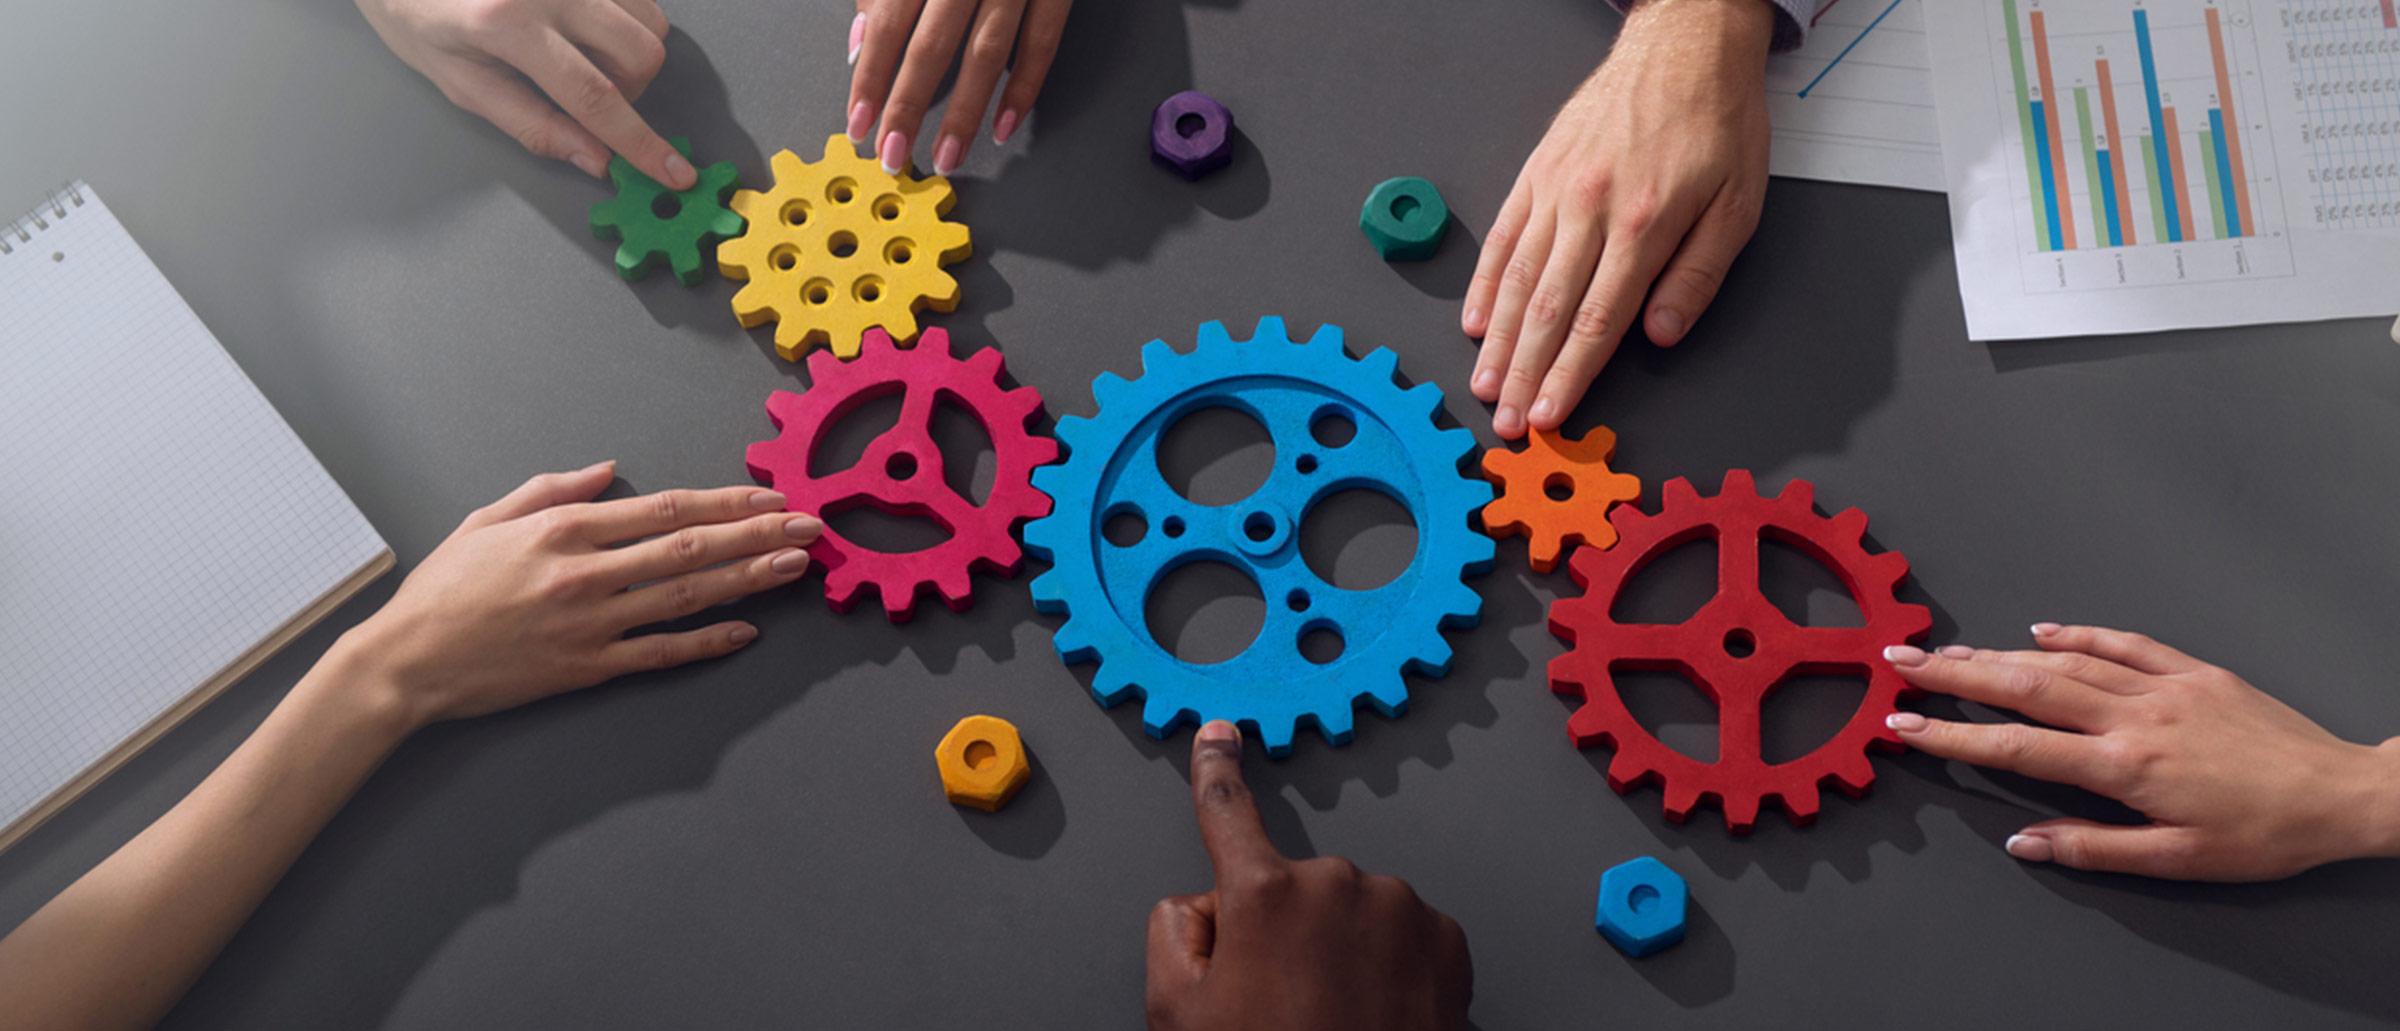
(535, 593)
(1647, 185)
(2237, 786)
(900, 49)
(591, 59)
(1301, 944)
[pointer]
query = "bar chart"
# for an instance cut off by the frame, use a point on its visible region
(2138, 127)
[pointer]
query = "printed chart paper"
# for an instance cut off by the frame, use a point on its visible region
(2122, 166)
(1854, 104)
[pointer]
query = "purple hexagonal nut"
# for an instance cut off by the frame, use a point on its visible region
(1192, 133)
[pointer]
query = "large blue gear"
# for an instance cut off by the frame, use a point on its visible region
(1111, 468)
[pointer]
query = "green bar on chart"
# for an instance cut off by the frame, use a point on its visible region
(2091, 166)
(2033, 170)
(2158, 207)
(2216, 200)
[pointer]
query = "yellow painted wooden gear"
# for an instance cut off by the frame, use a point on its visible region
(983, 762)
(839, 246)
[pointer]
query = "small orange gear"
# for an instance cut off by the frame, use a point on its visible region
(1557, 492)
(838, 247)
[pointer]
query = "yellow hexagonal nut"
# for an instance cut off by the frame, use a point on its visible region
(982, 762)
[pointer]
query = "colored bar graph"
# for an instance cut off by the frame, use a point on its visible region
(2016, 71)
(2229, 130)
(2122, 233)
(2215, 143)
(2156, 173)
(2162, 129)
(2091, 165)
(2108, 201)
(2216, 197)
(2065, 229)
(2179, 197)
(2041, 142)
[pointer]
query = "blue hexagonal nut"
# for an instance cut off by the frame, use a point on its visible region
(1642, 905)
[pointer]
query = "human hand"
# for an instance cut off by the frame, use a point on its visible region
(592, 57)
(899, 50)
(1648, 183)
(534, 593)
(2237, 785)
(1301, 944)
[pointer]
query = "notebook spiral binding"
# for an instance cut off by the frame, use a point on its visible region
(55, 206)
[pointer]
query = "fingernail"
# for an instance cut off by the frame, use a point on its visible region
(1955, 651)
(946, 154)
(1905, 722)
(596, 466)
(741, 634)
(680, 171)
(1507, 421)
(803, 528)
(767, 500)
(1474, 321)
(2046, 629)
(2032, 848)
(862, 116)
(1005, 127)
(1544, 410)
(1485, 381)
(789, 561)
(858, 33)
(1670, 322)
(895, 152)
(590, 164)
(1904, 655)
(1221, 732)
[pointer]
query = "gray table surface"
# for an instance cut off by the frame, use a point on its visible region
(760, 841)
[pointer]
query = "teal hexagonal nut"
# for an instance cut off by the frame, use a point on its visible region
(1642, 905)
(1404, 218)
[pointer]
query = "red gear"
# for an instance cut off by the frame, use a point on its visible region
(901, 472)
(1704, 648)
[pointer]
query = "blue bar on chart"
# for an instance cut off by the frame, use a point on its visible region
(2158, 126)
(2041, 143)
(2108, 199)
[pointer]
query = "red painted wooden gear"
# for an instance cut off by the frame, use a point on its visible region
(901, 471)
(1736, 648)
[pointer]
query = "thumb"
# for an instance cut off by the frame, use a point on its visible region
(1183, 933)
(2148, 849)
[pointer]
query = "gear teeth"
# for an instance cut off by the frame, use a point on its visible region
(1681, 800)
(1277, 734)
(1800, 494)
(1679, 492)
(1739, 481)
(1157, 355)
(1212, 334)
(1329, 336)
(1741, 811)
(1850, 523)
(986, 363)
(1047, 596)
(1338, 724)
(1161, 716)
(1111, 685)
(1108, 388)
(1432, 657)
(1855, 775)
(1385, 365)
(1425, 401)
(1799, 801)
(1271, 330)
(1390, 698)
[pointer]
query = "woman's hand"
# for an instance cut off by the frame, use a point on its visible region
(535, 593)
(1648, 184)
(2238, 786)
(1301, 944)
(900, 49)
(592, 58)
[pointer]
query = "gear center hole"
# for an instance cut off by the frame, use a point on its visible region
(901, 466)
(1559, 487)
(980, 754)
(666, 206)
(1641, 899)
(1404, 206)
(1258, 526)
(842, 244)
(1740, 643)
(1188, 125)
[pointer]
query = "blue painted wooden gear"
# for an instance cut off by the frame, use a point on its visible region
(1271, 689)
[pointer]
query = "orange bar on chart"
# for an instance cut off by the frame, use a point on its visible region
(2233, 132)
(2049, 127)
(2172, 142)
(2117, 155)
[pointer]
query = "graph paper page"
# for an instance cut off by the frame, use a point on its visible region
(158, 520)
(2123, 166)
(1854, 104)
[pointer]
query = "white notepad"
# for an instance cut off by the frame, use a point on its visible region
(162, 531)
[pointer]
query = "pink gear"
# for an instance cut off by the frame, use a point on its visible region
(901, 472)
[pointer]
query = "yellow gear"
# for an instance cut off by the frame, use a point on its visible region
(840, 246)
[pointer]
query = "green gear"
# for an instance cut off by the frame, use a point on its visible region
(646, 237)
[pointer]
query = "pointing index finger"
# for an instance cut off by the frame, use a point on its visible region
(1228, 817)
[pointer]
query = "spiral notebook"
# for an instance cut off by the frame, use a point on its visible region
(162, 531)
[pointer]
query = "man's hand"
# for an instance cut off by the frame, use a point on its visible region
(535, 593)
(900, 49)
(1304, 944)
(2238, 786)
(592, 58)
(1648, 183)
